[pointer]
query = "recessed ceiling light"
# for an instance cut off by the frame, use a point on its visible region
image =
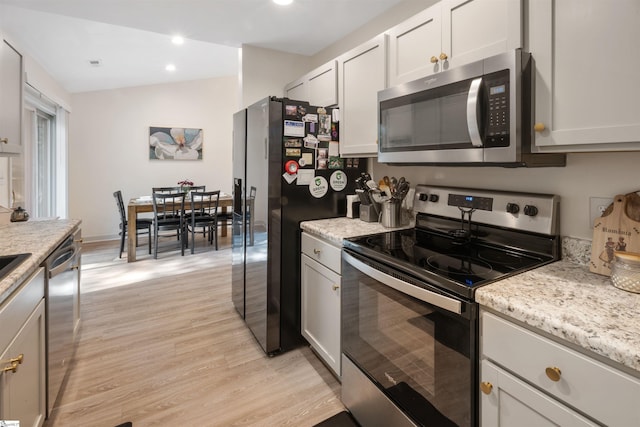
(177, 40)
(170, 67)
(283, 2)
(95, 62)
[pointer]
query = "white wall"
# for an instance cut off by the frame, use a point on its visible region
(265, 72)
(586, 175)
(109, 137)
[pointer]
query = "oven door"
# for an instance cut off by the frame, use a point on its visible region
(409, 350)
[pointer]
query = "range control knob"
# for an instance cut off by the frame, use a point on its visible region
(530, 210)
(423, 197)
(434, 198)
(513, 208)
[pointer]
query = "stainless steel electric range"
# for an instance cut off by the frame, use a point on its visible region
(409, 319)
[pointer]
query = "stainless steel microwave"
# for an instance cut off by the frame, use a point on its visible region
(477, 114)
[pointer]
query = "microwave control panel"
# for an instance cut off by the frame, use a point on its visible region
(497, 118)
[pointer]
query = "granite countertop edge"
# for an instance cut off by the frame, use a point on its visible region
(37, 237)
(563, 299)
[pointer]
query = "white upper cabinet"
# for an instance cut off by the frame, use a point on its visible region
(297, 90)
(318, 87)
(587, 61)
(323, 85)
(452, 33)
(412, 44)
(11, 96)
(361, 74)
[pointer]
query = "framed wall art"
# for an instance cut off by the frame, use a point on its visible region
(175, 143)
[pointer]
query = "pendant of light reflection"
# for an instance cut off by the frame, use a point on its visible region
(283, 2)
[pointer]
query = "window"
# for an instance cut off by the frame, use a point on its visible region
(45, 164)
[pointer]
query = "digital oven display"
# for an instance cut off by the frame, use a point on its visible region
(473, 202)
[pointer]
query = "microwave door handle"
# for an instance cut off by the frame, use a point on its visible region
(473, 102)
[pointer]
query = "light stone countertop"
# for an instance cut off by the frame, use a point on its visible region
(567, 301)
(338, 229)
(563, 299)
(37, 237)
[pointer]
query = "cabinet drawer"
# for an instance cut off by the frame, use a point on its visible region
(16, 310)
(322, 251)
(600, 391)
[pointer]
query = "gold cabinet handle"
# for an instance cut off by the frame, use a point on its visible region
(434, 60)
(553, 373)
(13, 367)
(539, 127)
(316, 251)
(444, 56)
(18, 359)
(335, 287)
(486, 387)
(4, 140)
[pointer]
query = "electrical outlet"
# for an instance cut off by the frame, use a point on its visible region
(597, 205)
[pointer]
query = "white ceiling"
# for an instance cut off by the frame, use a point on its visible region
(132, 38)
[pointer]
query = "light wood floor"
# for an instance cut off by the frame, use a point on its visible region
(161, 344)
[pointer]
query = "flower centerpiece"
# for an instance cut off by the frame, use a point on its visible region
(185, 185)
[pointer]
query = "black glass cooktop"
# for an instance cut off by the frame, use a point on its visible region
(467, 263)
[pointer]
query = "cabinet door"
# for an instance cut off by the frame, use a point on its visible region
(413, 45)
(506, 401)
(11, 96)
(321, 311)
(323, 85)
(477, 29)
(22, 393)
(297, 90)
(586, 62)
(361, 74)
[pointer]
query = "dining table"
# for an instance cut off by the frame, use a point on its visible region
(144, 204)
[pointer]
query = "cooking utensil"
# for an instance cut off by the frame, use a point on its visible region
(402, 190)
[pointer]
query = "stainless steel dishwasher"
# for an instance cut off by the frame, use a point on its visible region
(61, 292)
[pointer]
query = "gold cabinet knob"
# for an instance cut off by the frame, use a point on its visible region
(4, 140)
(434, 60)
(444, 56)
(486, 387)
(539, 127)
(335, 287)
(553, 373)
(316, 251)
(13, 367)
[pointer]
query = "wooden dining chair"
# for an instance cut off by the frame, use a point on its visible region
(168, 214)
(143, 225)
(203, 213)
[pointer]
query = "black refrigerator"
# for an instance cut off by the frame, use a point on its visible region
(286, 169)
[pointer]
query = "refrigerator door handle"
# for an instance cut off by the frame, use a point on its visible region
(266, 153)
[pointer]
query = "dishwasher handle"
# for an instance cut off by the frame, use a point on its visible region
(67, 255)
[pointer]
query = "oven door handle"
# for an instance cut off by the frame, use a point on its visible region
(422, 294)
(473, 100)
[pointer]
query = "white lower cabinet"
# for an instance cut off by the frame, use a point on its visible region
(507, 401)
(321, 299)
(529, 380)
(22, 354)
